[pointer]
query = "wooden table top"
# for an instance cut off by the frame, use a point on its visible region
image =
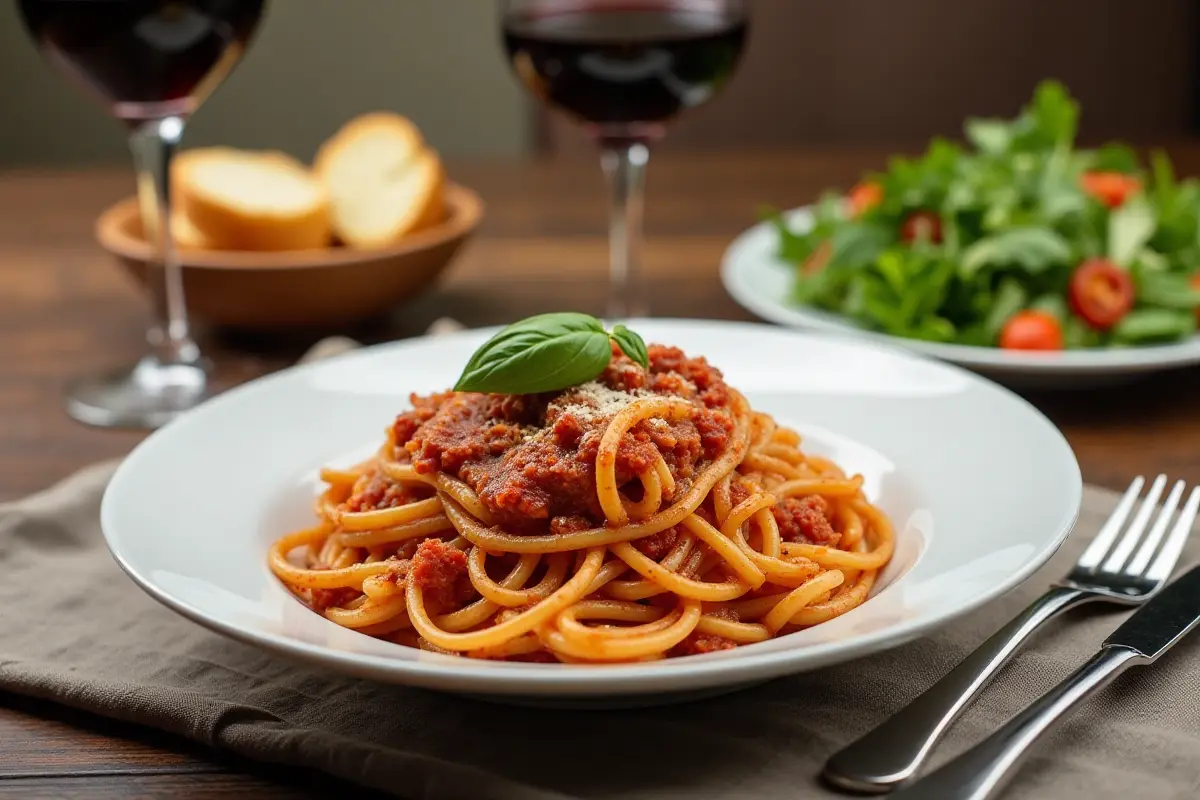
(65, 308)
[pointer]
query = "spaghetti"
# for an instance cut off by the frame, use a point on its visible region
(649, 513)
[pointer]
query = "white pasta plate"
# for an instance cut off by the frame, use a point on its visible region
(981, 489)
(762, 284)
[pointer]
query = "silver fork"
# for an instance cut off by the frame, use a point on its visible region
(892, 754)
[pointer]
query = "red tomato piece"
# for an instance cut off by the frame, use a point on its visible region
(922, 225)
(1101, 293)
(864, 197)
(1032, 330)
(1110, 188)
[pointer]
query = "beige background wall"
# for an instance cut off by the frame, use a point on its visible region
(313, 65)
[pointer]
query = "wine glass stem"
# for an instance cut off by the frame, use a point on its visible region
(153, 144)
(625, 168)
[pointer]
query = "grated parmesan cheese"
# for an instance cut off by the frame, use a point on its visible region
(593, 400)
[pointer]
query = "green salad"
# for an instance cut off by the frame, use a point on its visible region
(1018, 240)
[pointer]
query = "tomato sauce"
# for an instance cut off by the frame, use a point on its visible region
(800, 519)
(805, 520)
(441, 572)
(531, 458)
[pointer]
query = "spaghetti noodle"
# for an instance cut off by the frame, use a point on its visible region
(647, 514)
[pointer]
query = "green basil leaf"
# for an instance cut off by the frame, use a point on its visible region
(631, 345)
(539, 354)
(559, 323)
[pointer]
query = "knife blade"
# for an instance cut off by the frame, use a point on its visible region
(1163, 620)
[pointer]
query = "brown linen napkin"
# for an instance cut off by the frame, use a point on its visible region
(75, 630)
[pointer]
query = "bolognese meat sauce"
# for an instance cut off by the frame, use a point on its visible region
(531, 458)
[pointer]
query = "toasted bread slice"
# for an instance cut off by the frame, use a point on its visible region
(240, 200)
(384, 183)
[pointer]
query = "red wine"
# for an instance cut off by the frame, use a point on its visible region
(625, 70)
(147, 59)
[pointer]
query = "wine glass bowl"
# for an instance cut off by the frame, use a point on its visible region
(151, 62)
(624, 70)
(147, 59)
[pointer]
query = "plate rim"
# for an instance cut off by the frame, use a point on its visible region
(1146, 358)
(516, 679)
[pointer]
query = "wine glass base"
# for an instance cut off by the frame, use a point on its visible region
(149, 395)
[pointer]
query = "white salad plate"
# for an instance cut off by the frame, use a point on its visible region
(982, 489)
(762, 284)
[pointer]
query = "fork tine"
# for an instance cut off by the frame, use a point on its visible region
(1146, 551)
(1125, 546)
(1104, 539)
(1160, 570)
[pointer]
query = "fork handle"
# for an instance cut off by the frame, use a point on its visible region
(893, 752)
(983, 771)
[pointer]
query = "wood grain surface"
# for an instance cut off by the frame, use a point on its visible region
(65, 309)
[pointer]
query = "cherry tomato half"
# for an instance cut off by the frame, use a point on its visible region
(1110, 188)
(864, 197)
(922, 225)
(1101, 293)
(1032, 330)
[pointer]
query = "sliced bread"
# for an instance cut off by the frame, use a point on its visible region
(383, 181)
(243, 200)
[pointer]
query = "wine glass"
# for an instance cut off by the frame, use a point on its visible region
(624, 69)
(151, 62)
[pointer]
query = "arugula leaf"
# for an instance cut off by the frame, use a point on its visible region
(1060, 197)
(990, 136)
(1177, 206)
(1051, 119)
(1145, 325)
(1053, 304)
(1168, 290)
(1056, 112)
(919, 183)
(857, 244)
(793, 248)
(1114, 157)
(1129, 229)
(1010, 298)
(1078, 335)
(1033, 249)
(933, 329)
(1164, 176)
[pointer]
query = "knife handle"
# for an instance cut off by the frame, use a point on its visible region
(984, 770)
(893, 752)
